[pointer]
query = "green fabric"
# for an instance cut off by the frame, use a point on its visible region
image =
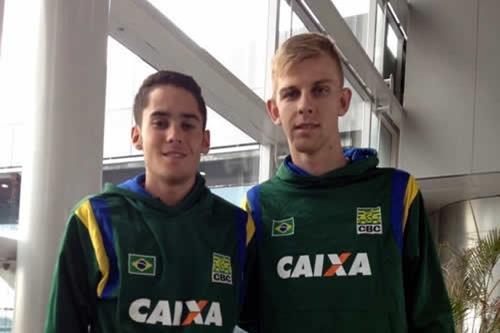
(374, 285)
(183, 240)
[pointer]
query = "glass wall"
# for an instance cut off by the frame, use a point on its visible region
(385, 147)
(352, 124)
(289, 23)
(6, 306)
(125, 73)
(378, 57)
(10, 186)
(233, 31)
(385, 139)
(356, 15)
(394, 56)
(246, 58)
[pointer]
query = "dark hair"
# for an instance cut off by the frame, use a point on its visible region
(175, 79)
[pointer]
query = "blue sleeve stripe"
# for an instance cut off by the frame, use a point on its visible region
(399, 181)
(241, 238)
(253, 196)
(103, 217)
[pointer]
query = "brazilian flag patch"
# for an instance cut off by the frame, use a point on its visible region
(141, 264)
(283, 228)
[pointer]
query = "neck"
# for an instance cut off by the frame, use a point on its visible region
(321, 162)
(170, 193)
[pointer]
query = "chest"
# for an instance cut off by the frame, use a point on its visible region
(174, 271)
(329, 241)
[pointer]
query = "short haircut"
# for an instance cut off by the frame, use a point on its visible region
(165, 78)
(301, 47)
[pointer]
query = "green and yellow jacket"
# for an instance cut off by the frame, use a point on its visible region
(129, 263)
(348, 251)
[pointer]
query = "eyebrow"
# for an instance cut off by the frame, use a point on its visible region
(166, 114)
(324, 81)
(292, 87)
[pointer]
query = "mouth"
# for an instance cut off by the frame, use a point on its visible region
(306, 126)
(174, 154)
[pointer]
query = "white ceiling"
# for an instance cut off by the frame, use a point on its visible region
(442, 191)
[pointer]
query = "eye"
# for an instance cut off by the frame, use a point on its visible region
(290, 94)
(159, 123)
(321, 91)
(188, 126)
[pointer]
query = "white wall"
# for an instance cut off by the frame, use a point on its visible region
(452, 96)
(486, 149)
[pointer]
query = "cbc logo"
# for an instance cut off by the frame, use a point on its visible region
(370, 229)
(222, 278)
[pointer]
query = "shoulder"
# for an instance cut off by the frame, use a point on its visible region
(223, 204)
(95, 207)
(391, 173)
(402, 177)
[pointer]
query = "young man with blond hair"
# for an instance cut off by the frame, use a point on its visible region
(343, 246)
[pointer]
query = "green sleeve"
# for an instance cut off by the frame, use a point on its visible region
(73, 296)
(427, 304)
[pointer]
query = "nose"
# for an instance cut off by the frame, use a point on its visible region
(174, 134)
(305, 104)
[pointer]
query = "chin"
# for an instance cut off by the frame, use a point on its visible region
(305, 147)
(176, 179)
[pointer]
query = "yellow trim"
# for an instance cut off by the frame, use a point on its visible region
(86, 216)
(250, 228)
(410, 194)
(250, 221)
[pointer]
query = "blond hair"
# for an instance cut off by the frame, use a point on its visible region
(301, 47)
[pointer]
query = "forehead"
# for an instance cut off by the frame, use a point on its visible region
(173, 99)
(310, 70)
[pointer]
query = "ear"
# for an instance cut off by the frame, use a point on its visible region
(272, 110)
(345, 101)
(136, 136)
(205, 143)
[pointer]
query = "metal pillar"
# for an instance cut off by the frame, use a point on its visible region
(60, 69)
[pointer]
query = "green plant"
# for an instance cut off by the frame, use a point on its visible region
(472, 286)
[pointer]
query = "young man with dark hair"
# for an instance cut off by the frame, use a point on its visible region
(159, 252)
(342, 246)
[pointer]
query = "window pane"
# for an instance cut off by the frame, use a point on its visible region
(289, 23)
(223, 133)
(125, 74)
(10, 189)
(355, 14)
(6, 143)
(351, 124)
(385, 147)
(379, 40)
(392, 41)
(382, 139)
(230, 175)
(6, 305)
(394, 58)
(238, 41)
(12, 142)
(374, 132)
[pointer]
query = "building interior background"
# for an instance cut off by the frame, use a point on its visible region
(424, 76)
